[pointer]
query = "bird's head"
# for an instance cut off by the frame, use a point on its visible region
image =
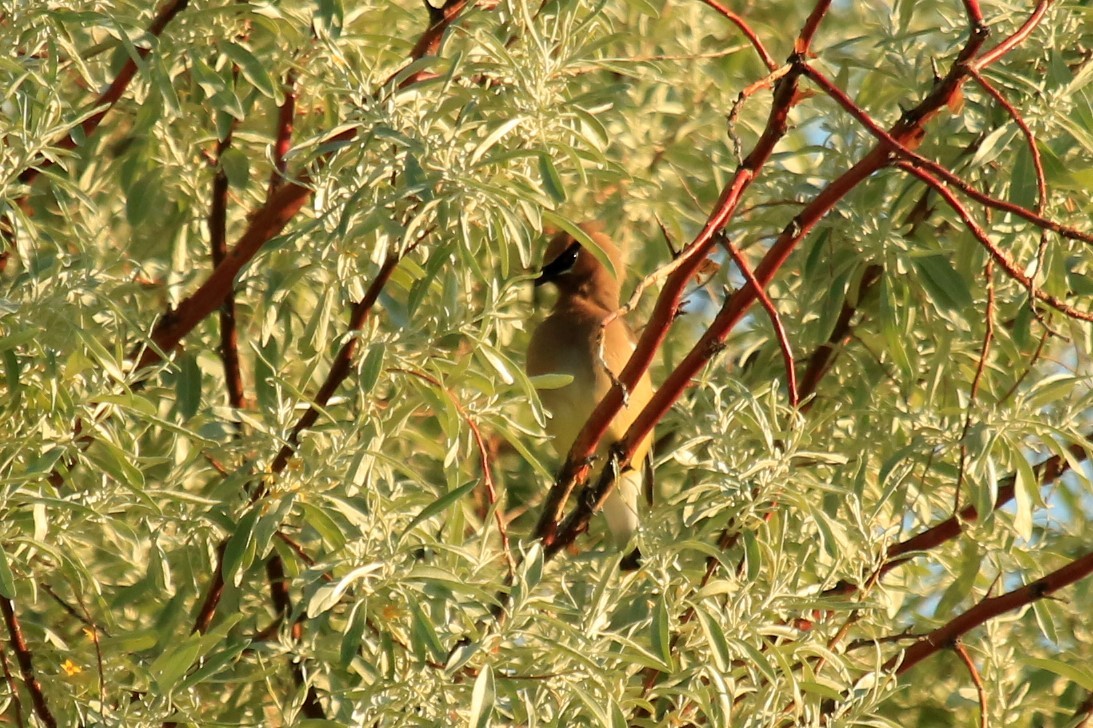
(575, 270)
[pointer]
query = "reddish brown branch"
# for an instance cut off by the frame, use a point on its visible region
(987, 610)
(440, 19)
(711, 342)
(282, 602)
(26, 663)
(909, 130)
(803, 45)
(975, 14)
(282, 205)
(212, 595)
(1016, 38)
(264, 225)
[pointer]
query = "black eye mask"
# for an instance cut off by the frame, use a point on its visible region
(560, 265)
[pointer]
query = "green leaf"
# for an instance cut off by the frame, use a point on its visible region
(329, 594)
(661, 635)
(715, 638)
(11, 372)
(115, 462)
(552, 181)
(423, 637)
(754, 657)
(753, 554)
(328, 529)
(498, 362)
(440, 505)
(482, 698)
(188, 386)
(833, 301)
(7, 579)
(1026, 493)
(948, 289)
(961, 586)
(1083, 676)
(493, 137)
(252, 69)
(236, 166)
(353, 635)
(551, 381)
(169, 667)
(145, 198)
(239, 552)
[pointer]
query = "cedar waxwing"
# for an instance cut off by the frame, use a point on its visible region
(567, 342)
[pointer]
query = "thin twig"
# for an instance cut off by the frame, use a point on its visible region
(988, 335)
(1038, 167)
(746, 29)
(962, 651)
(772, 313)
(483, 460)
(1028, 367)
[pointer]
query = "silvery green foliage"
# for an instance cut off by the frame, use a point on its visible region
(535, 115)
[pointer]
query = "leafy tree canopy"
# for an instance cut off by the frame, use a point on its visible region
(268, 453)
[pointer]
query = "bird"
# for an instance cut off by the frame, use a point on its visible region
(567, 342)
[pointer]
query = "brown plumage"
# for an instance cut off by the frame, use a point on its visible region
(566, 342)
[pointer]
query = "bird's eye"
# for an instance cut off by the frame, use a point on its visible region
(568, 258)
